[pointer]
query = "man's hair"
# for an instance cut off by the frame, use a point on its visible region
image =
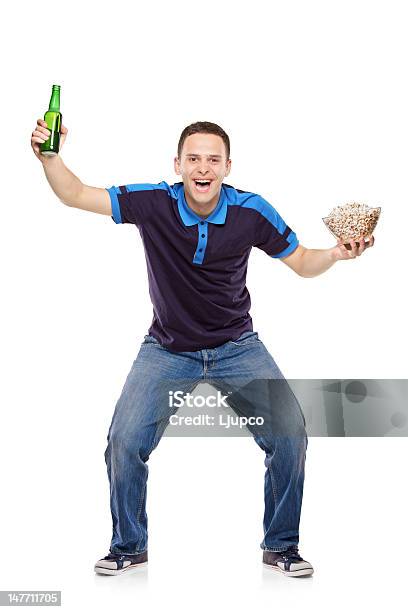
(203, 127)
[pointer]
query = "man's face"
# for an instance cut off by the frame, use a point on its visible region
(203, 165)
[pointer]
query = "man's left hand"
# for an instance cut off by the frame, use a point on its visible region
(341, 252)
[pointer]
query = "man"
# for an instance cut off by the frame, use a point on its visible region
(197, 236)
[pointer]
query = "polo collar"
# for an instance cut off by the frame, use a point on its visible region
(189, 217)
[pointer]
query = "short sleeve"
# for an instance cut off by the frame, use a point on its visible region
(135, 203)
(272, 234)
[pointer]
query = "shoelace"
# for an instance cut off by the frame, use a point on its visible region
(292, 554)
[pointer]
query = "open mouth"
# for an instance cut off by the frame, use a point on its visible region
(202, 186)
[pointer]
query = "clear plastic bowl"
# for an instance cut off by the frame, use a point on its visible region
(372, 222)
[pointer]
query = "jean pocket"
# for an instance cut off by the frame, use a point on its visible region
(246, 338)
(150, 340)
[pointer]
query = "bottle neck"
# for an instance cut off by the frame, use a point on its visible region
(55, 100)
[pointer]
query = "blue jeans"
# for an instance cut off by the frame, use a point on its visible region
(142, 414)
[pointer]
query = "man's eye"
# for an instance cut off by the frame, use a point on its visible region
(214, 160)
(193, 158)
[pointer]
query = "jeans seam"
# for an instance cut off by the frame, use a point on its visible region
(275, 495)
(274, 490)
(142, 497)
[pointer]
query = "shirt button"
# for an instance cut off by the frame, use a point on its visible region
(200, 250)
(201, 222)
(202, 235)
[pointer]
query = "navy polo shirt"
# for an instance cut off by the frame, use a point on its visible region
(197, 267)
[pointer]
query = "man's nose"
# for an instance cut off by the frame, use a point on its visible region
(203, 167)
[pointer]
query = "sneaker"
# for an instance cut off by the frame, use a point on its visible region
(115, 563)
(288, 561)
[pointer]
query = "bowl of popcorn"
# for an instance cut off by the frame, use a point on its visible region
(352, 221)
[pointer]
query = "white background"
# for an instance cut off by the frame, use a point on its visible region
(313, 95)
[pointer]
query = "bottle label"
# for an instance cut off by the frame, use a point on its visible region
(53, 120)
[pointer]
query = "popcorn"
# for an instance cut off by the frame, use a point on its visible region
(352, 220)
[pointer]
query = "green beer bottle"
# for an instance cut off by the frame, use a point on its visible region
(53, 119)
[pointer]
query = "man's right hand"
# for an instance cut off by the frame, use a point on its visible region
(40, 135)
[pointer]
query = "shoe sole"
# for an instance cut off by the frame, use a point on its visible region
(302, 572)
(113, 572)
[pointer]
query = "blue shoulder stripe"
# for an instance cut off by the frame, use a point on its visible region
(247, 199)
(147, 186)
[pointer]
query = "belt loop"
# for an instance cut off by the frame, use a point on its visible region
(205, 360)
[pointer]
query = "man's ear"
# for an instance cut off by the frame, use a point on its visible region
(177, 165)
(228, 167)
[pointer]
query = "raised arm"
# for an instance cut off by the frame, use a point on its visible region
(66, 186)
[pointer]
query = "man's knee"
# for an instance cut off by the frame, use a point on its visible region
(122, 445)
(293, 443)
